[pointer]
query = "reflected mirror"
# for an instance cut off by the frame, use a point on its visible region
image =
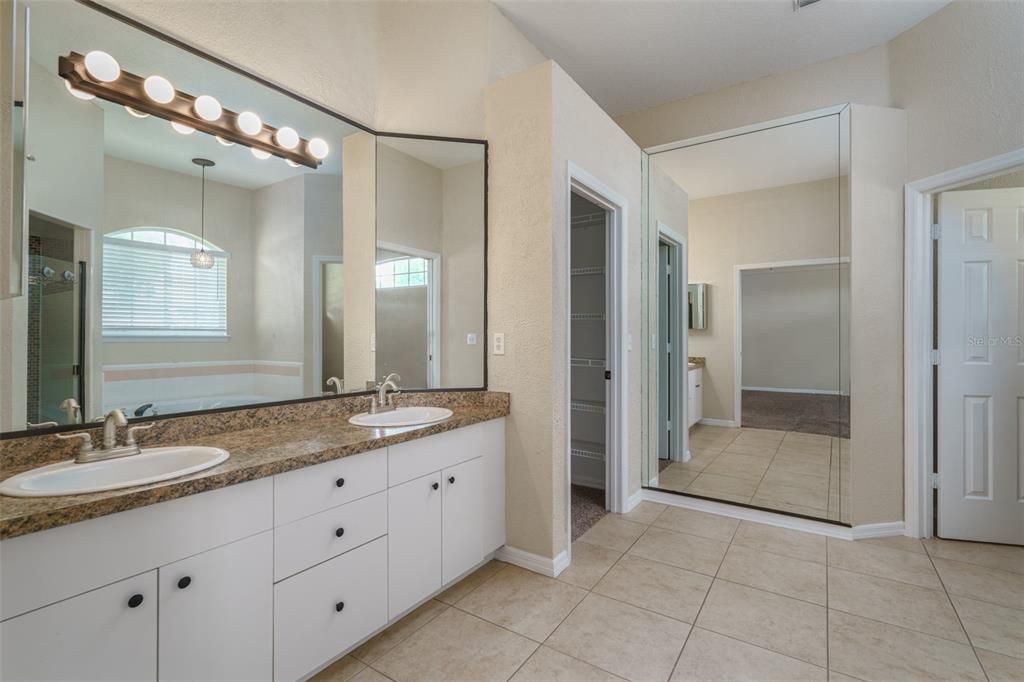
(752, 400)
(429, 262)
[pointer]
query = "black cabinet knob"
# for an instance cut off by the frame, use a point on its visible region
(339, 606)
(338, 533)
(134, 600)
(434, 485)
(340, 482)
(184, 582)
(451, 479)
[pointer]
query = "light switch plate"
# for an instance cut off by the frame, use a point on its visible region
(470, 339)
(499, 344)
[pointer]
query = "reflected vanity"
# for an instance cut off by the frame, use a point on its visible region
(183, 255)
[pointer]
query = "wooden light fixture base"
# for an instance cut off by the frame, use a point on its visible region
(128, 90)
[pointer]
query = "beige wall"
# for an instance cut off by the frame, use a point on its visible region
(138, 195)
(793, 222)
(322, 236)
(359, 213)
(462, 306)
(538, 122)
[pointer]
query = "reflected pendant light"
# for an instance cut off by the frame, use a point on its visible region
(201, 258)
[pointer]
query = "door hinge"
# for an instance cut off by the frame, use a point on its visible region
(933, 478)
(936, 356)
(936, 232)
(668, 425)
(76, 370)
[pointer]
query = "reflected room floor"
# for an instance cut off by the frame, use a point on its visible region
(799, 473)
(828, 415)
(667, 593)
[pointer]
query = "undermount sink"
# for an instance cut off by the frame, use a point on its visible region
(151, 465)
(402, 416)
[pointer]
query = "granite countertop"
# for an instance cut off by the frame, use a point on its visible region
(255, 453)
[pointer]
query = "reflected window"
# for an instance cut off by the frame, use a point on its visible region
(151, 289)
(402, 272)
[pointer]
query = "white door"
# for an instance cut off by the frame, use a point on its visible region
(106, 634)
(981, 370)
(217, 613)
(414, 542)
(462, 532)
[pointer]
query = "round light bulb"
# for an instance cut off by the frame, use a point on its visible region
(318, 148)
(287, 137)
(80, 94)
(260, 154)
(182, 128)
(226, 143)
(135, 112)
(158, 89)
(102, 66)
(291, 163)
(249, 123)
(207, 108)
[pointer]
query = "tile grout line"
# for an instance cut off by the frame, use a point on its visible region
(970, 642)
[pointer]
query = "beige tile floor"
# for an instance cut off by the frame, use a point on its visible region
(783, 470)
(664, 593)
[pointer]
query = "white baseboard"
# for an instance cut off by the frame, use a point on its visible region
(729, 423)
(863, 532)
(633, 500)
(813, 391)
(534, 562)
(879, 530)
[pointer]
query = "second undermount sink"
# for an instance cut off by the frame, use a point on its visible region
(402, 416)
(151, 465)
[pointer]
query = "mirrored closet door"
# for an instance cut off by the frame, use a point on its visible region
(748, 305)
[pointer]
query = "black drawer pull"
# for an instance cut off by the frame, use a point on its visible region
(434, 485)
(451, 479)
(340, 482)
(134, 601)
(184, 582)
(339, 606)
(339, 532)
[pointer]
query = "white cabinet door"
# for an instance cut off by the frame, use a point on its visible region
(414, 542)
(463, 518)
(321, 612)
(216, 613)
(106, 634)
(494, 485)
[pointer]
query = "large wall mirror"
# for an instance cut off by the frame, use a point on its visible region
(197, 239)
(753, 405)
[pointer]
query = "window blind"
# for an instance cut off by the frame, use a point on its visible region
(153, 290)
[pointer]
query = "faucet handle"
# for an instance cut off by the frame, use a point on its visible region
(84, 435)
(129, 439)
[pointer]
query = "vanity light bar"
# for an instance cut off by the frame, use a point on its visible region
(127, 89)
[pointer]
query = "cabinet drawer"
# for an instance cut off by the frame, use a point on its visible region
(416, 458)
(100, 635)
(34, 569)
(304, 492)
(303, 543)
(309, 628)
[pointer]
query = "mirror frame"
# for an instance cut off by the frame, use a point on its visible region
(182, 45)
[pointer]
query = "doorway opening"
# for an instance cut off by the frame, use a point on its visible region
(673, 364)
(963, 355)
(588, 367)
(56, 324)
(408, 302)
(329, 324)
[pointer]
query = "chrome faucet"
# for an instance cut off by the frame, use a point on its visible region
(384, 402)
(337, 383)
(110, 449)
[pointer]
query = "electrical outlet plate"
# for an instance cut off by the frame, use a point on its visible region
(499, 344)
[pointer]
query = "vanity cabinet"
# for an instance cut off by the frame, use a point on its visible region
(216, 613)
(106, 634)
(695, 395)
(273, 578)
